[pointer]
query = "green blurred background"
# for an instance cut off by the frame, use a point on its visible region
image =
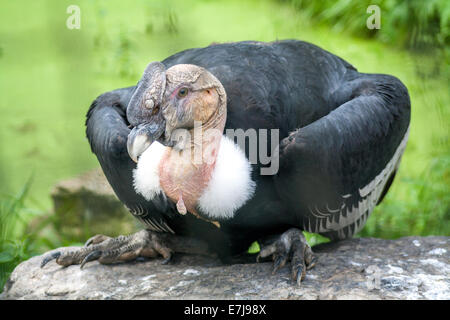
(50, 74)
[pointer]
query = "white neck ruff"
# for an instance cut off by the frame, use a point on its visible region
(229, 189)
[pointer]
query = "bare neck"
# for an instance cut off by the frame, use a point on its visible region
(184, 174)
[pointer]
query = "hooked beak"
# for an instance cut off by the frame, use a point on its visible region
(143, 111)
(142, 136)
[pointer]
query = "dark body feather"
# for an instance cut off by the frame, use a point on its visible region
(341, 135)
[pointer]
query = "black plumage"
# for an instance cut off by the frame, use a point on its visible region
(341, 136)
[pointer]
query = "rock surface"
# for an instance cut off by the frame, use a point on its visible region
(364, 268)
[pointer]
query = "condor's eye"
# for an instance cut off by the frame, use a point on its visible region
(183, 92)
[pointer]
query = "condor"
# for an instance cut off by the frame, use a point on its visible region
(340, 137)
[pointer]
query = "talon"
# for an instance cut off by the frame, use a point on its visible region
(291, 244)
(107, 250)
(299, 280)
(50, 257)
(312, 263)
(96, 239)
(94, 255)
(298, 274)
(167, 259)
(279, 263)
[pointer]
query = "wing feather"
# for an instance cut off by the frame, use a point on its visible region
(335, 170)
(107, 131)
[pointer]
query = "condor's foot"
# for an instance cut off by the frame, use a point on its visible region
(290, 245)
(144, 243)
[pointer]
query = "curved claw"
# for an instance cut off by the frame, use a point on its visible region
(96, 240)
(311, 263)
(298, 274)
(167, 260)
(291, 245)
(50, 257)
(94, 255)
(279, 263)
(88, 242)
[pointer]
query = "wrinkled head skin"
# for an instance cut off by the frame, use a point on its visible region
(176, 98)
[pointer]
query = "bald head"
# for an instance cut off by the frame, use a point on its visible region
(192, 94)
(176, 98)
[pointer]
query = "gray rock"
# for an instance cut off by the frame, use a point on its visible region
(363, 268)
(86, 205)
